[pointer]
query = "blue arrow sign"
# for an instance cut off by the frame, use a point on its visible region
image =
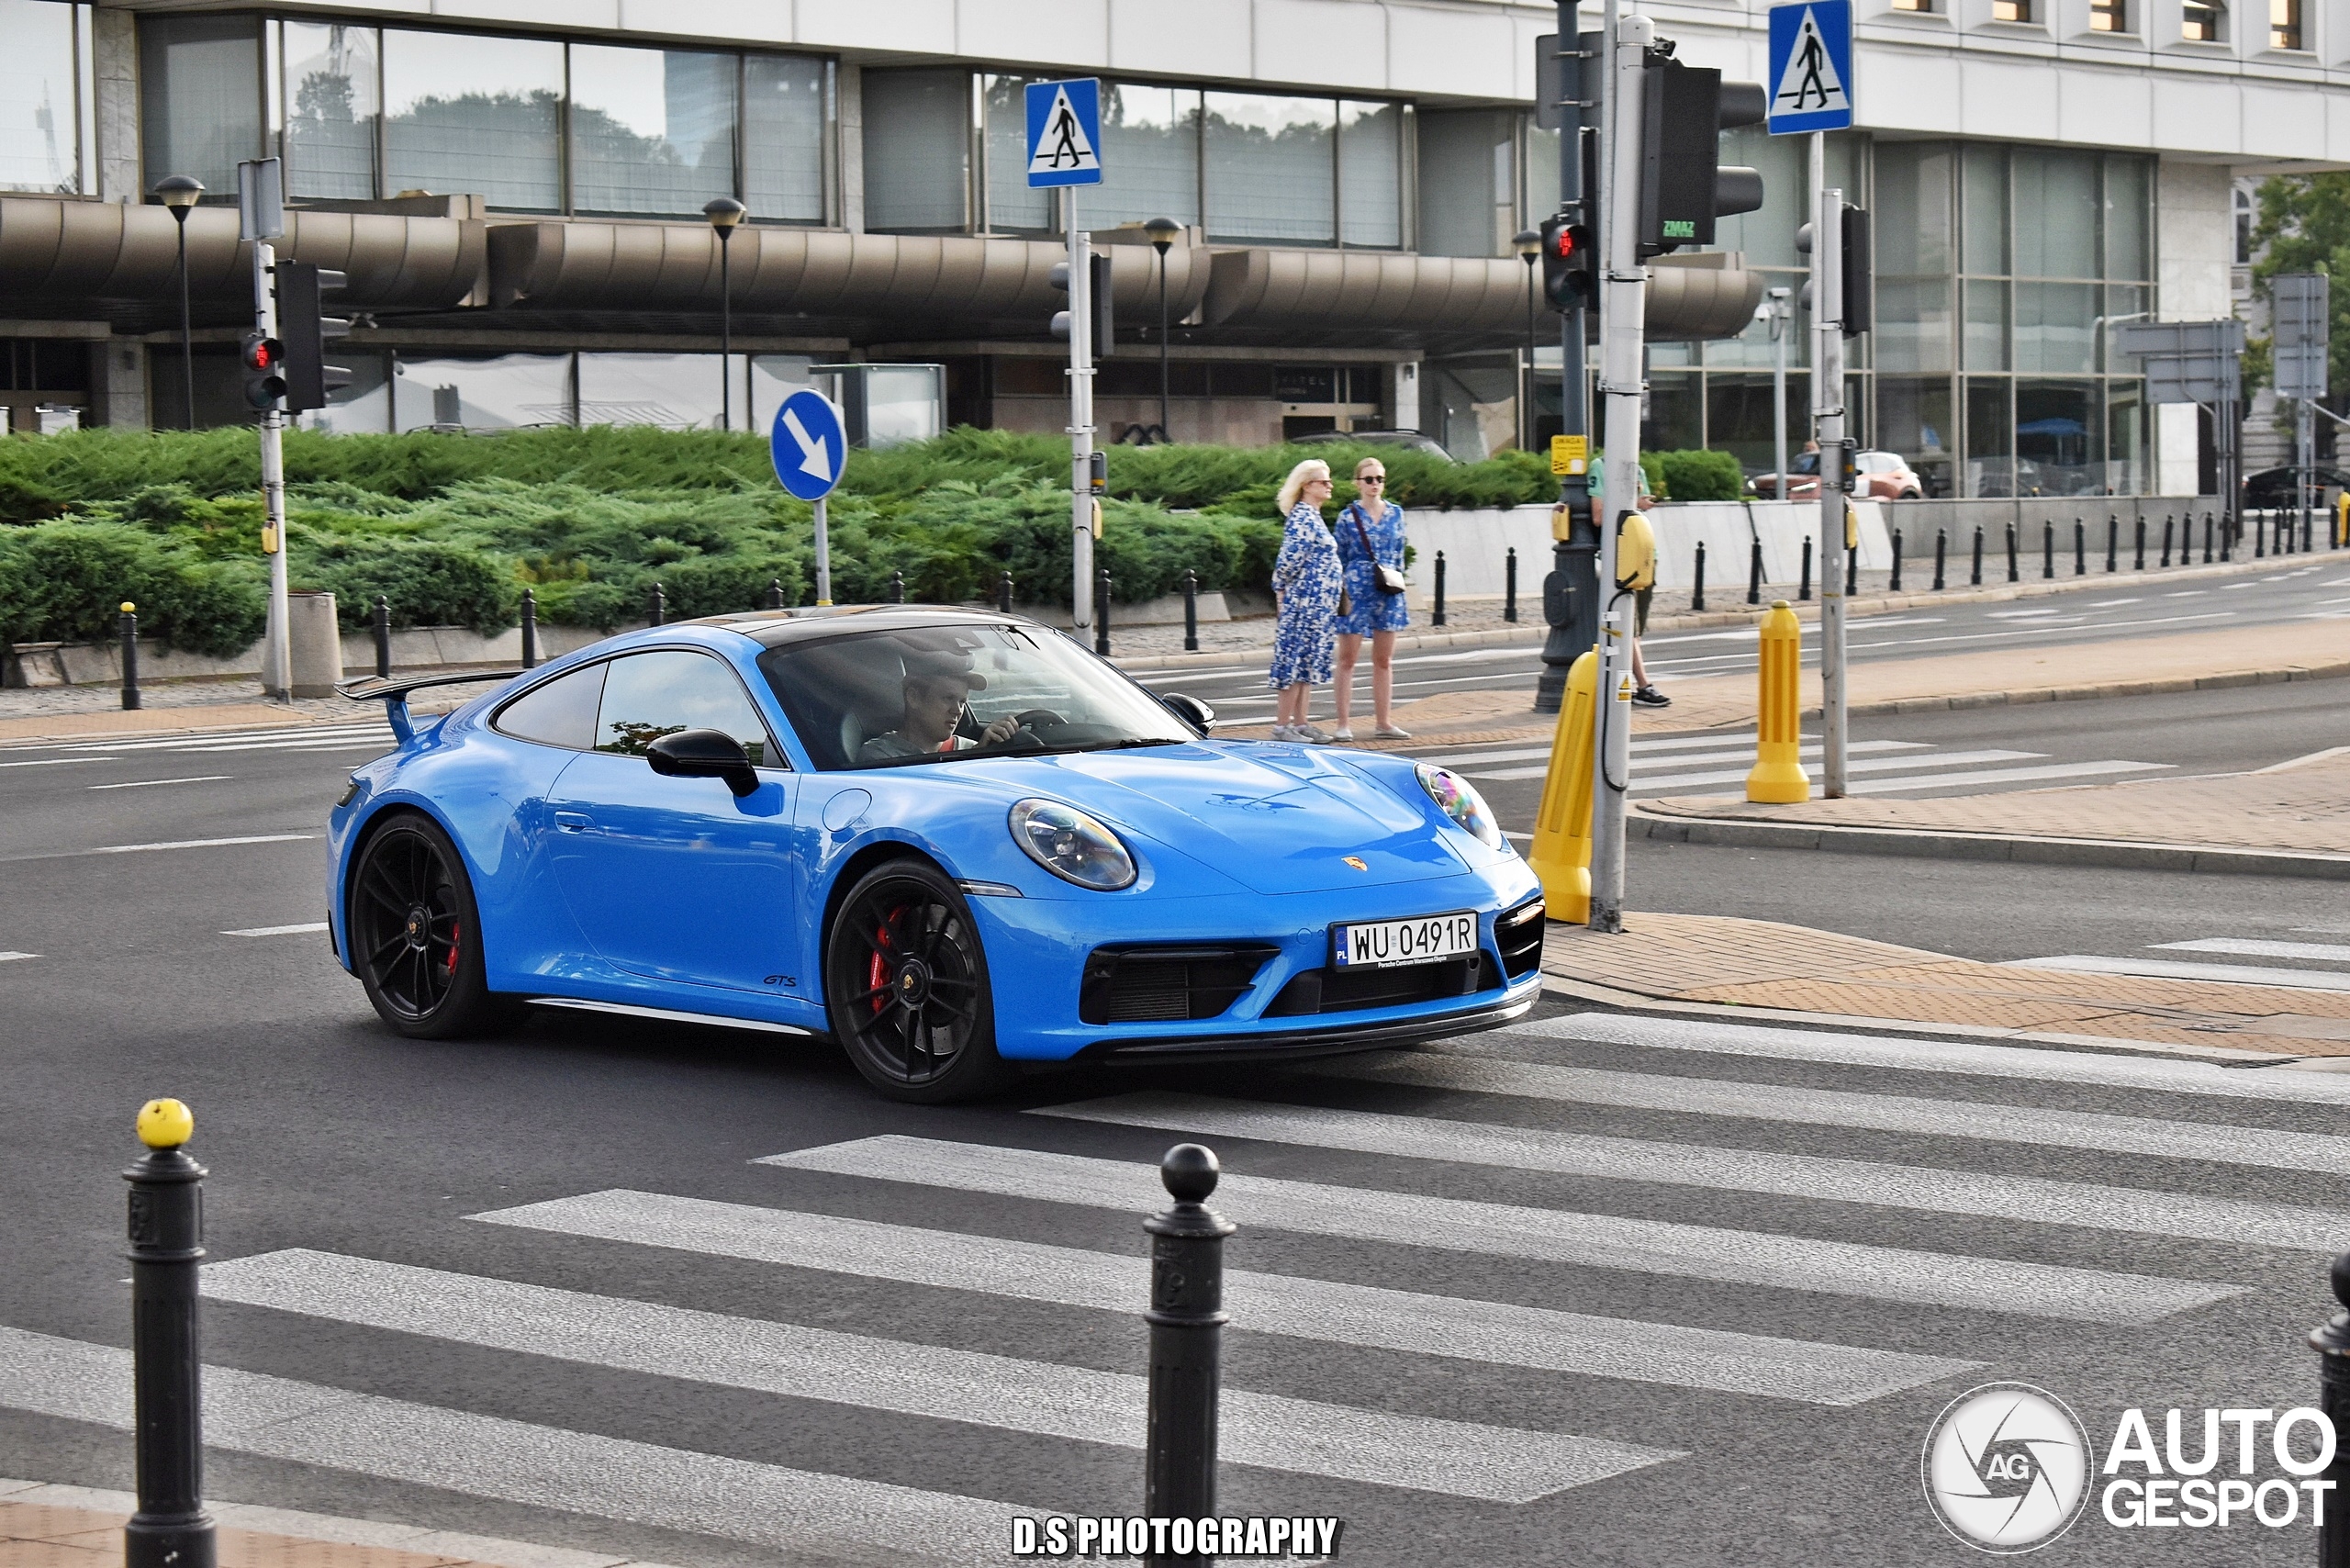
(1065, 132)
(1811, 66)
(808, 444)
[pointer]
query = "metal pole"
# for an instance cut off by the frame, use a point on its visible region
(529, 629)
(897, 587)
(1754, 575)
(130, 628)
(1941, 551)
(1803, 590)
(1187, 1319)
(1509, 585)
(775, 593)
(1101, 614)
(1571, 590)
(2112, 541)
(1895, 585)
(1437, 618)
(1976, 580)
(1622, 332)
(1081, 417)
(2047, 548)
(171, 1529)
(1003, 594)
(1697, 577)
(659, 608)
(2013, 576)
(823, 551)
(2080, 547)
(384, 634)
(1828, 410)
(187, 334)
(725, 331)
(1164, 433)
(277, 665)
(1190, 610)
(1782, 326)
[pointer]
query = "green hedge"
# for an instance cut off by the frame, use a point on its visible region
(451, 531)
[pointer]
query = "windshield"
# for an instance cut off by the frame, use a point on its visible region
(941, 693)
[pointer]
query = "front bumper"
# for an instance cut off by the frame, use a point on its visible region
(1342, 1034)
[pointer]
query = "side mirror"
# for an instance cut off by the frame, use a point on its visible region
(1191, 710)
(704, 753)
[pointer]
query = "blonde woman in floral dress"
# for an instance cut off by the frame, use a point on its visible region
(1306, 593)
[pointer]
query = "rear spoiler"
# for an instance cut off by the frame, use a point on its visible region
(393, 690)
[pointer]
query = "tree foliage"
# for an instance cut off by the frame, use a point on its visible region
(2304, 227)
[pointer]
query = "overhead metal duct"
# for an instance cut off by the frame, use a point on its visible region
(96, 250)
(1710, 295)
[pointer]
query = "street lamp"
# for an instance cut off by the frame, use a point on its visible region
(724, 213)
(180, 194)
(1529, 250)
(1162, 232)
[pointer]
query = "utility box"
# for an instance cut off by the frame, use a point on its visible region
(883, 405)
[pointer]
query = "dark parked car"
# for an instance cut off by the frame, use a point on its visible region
(2274, 487)
(1411, 441)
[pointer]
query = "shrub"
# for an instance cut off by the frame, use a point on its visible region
(428, 582)
(1701, 476)
(62, 582)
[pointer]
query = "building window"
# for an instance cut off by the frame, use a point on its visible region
(2243, 226)
(476, 115)
(652, 130)
(1371, 175)
(2109, 17)
(1150, 157)
(787, 105)
(1466, 203)
(333, 106)
(1922, 5)
(2204, 21)
(917, 149)
(2284, 24)
(39, 96)
(1268, 162)
(199, 83)
(2011, 10)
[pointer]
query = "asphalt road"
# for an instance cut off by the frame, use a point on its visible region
(337, 1149)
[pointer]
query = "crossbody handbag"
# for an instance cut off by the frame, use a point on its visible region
(1387, 578)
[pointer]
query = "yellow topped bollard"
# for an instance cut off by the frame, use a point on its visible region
(1560, 853)
(165, 1123)
(1778, 779)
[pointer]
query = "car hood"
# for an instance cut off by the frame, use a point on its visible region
(1277, 818)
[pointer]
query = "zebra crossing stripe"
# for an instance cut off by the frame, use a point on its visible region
(1477, 1072)
(1494, 1464)
(2264, 1082)
(1550, 1236)
(2030, 1198)
(289, 734)
(798, 1511)
(1466, 1328)
(2164, 969)
(2255, 947)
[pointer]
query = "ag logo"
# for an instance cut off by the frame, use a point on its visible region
(2006, 1467)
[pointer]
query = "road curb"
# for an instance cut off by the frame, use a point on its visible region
(2016, 848)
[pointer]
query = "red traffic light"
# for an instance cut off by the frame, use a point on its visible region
(1564, 243)
(263, 353)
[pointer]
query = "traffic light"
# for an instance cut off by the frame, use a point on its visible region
(1858, 281)
(1684, 186)
(1105, 315)
(1570, 265)
(305, 332)
(264, 359)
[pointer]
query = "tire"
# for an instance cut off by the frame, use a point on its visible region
(415, 934)
(1909, 496)
(906, 987)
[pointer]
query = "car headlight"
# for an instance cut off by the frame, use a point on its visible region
(1072, 846)
(1460, 800)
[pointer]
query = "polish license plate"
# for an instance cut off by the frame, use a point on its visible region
(1388, 944)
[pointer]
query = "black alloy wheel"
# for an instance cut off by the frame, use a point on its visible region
(415, 935)
(906, 984)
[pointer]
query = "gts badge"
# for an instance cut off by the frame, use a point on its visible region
(781, 980)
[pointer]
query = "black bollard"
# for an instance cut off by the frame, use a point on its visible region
(1941, 550)
(1804, 589)
(2332, 1342)
(383, 635)
(1976, 580)
(2230, 525)
(897, 587)
(1102, 613)
(1190, 609)
(2047, 549)
(2013, 576)
(2259, 536)
(1851, 569)
(1895, 585)
(1754, 575)
(129, 629)
(1187, 1319)
(2112, 540)
(2080, 547)
(1697, 595)
(2139, 565)
(1509, 585)
(171, 1529)
(1003, 594)
(2210, 528)
(775, 593)
(1437, 619)
(660, 606)
(2167, 520)
(529, 629)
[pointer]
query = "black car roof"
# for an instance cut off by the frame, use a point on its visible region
(777, 628)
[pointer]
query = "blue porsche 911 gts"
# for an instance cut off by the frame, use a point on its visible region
(954, 842)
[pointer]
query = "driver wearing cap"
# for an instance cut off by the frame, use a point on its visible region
(935, 691)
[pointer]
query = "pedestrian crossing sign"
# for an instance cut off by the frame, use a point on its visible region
(1811, 66)
(1065, 132)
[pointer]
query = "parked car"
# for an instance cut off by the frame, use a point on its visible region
(1878, 476)
(1411, 441)
(2274, 487)
(955, 844)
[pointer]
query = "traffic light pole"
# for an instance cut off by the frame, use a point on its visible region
(1622, 314)
(1081, 417)
(1828, 411)
(1569, 599)
(277, 668)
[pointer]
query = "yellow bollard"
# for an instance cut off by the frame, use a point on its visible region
(1778, 777)
(1560, 854)
(2341, 520)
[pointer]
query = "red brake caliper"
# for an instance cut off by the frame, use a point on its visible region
(456, 932)
(878, 969)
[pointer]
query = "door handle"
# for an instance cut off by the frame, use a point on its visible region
(573, 822)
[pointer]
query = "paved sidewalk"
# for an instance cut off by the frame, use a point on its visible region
(45, 1526)
(1758, 968)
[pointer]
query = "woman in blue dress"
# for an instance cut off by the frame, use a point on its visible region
(1305, 594)
(1371, 535)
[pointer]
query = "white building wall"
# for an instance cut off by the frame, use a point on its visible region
(2194, 251)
